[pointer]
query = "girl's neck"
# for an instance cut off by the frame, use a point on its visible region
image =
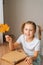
(29, 39)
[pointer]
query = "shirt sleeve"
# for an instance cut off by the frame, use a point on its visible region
(19, 40)
(37, 47)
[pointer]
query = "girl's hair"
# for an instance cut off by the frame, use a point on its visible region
(34, 26)
(28, 22)
(39, 32)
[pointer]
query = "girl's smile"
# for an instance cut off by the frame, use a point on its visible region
(29, 31)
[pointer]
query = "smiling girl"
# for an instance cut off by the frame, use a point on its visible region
(30, 44)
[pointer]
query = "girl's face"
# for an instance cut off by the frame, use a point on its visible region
(29, 30)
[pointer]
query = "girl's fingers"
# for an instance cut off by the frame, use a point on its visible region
(29, 63)
(8, 38)
(28, 60)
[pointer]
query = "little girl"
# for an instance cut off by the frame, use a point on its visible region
(30, 44)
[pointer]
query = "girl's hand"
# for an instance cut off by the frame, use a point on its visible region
(8, 38)
(28, 60)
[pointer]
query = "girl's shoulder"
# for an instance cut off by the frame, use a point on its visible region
(36, 40)
(22, 35)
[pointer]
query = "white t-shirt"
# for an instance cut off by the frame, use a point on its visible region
(29, 47)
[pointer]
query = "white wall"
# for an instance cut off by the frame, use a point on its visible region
(1, 19)
(10, 14)
(29, 10)
(23, 10)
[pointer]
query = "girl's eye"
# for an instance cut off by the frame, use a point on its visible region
(31, 30)
(26, 29)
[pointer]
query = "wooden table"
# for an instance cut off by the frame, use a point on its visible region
(7, 63)
(4, 62)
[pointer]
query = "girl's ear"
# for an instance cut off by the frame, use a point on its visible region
(39, 32)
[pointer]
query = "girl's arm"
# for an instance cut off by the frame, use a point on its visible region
(35, 55)
(29, 60)
(12, 45)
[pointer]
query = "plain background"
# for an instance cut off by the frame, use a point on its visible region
(18, 11)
